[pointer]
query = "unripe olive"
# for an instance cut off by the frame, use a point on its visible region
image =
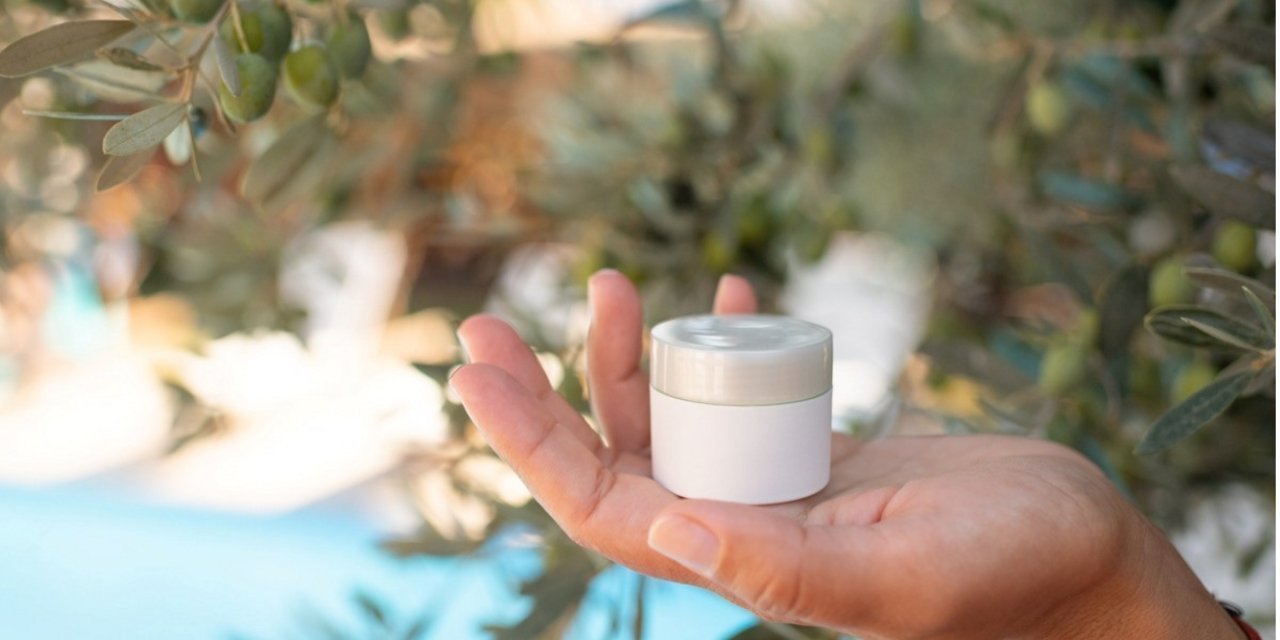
(257, 89)
(1235, 245)
(349, 47)
(1062, 368)
(1048, 108)
(718, 252)
(1169, 283)
(1085, 329)
(904, 34)
(195, 11)
(268, 30)
(754, 224)
(1192, 378)
(1144, 378)
(310, 77)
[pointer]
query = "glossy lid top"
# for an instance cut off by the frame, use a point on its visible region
(740, 359)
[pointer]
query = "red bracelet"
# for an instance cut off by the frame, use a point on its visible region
(1237, 615)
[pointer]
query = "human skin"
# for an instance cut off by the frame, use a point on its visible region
(926, 537)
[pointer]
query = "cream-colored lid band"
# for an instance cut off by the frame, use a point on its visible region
(740, 359)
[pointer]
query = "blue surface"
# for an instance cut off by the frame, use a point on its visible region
(90, 564)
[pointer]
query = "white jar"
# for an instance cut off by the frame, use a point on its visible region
(740, 407)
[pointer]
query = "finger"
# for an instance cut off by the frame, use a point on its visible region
(489, 340)
(779, 567)
(619, 387)
(599, 509)
(734, 295)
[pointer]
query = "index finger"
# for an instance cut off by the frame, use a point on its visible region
(598, 508)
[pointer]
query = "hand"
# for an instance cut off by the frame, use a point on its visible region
(931, 537)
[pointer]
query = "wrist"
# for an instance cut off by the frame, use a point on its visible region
(1151, 594)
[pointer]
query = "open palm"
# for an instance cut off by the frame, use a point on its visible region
(950, 536)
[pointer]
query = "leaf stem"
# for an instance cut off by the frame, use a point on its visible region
(72, 115)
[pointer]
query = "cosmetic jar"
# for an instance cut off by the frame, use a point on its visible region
(740, 407)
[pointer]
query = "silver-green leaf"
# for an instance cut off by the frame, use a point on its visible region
(271, 173)
(1227, 196)
(1183, 420)
(9, 89)
(1223, 336)
(144, 129)
(1118, 315)
(1186, 324)
(1260, 309)
(59, 44)
(1231, 282)
(120, 169)
(227, 65)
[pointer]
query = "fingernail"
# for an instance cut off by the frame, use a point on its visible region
(687, 542)
(591, 282)
(462, 346)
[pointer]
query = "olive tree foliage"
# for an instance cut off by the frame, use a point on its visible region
(1096, 179)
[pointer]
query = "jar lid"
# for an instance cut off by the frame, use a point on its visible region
(740, 359)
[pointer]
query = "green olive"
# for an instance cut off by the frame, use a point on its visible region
(268, 30)
(349, 47)
(904, 34)
(310, 77)
(195, 11)
(257, 89)
(1235, 245)
(1085, 329)
(1048, 108)
(719, 252)
(1144, 378)
(1169, 283)
(1063, 367)
(1191, 379)
(754, 224)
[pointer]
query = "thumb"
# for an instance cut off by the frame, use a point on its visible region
(778, 566)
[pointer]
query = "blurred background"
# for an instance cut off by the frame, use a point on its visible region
(237, 239)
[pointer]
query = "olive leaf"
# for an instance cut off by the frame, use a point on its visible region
(1264, 381)
(1250, 42)
(1223, 336)
(9, 89)
(1227, 196)
(1186, 324)
(1182, 420)
(115, 83)
(119, 169)
(270, 173)
(371, 608)
(1090, 194)
(1244, 142)
(59, 44)
(1231, 282)
(1118, 314)
(129, 59)
(1260, 309)
(557, 594)
(144, 129)
(227, 65)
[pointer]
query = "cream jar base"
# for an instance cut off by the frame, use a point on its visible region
(759, 454)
